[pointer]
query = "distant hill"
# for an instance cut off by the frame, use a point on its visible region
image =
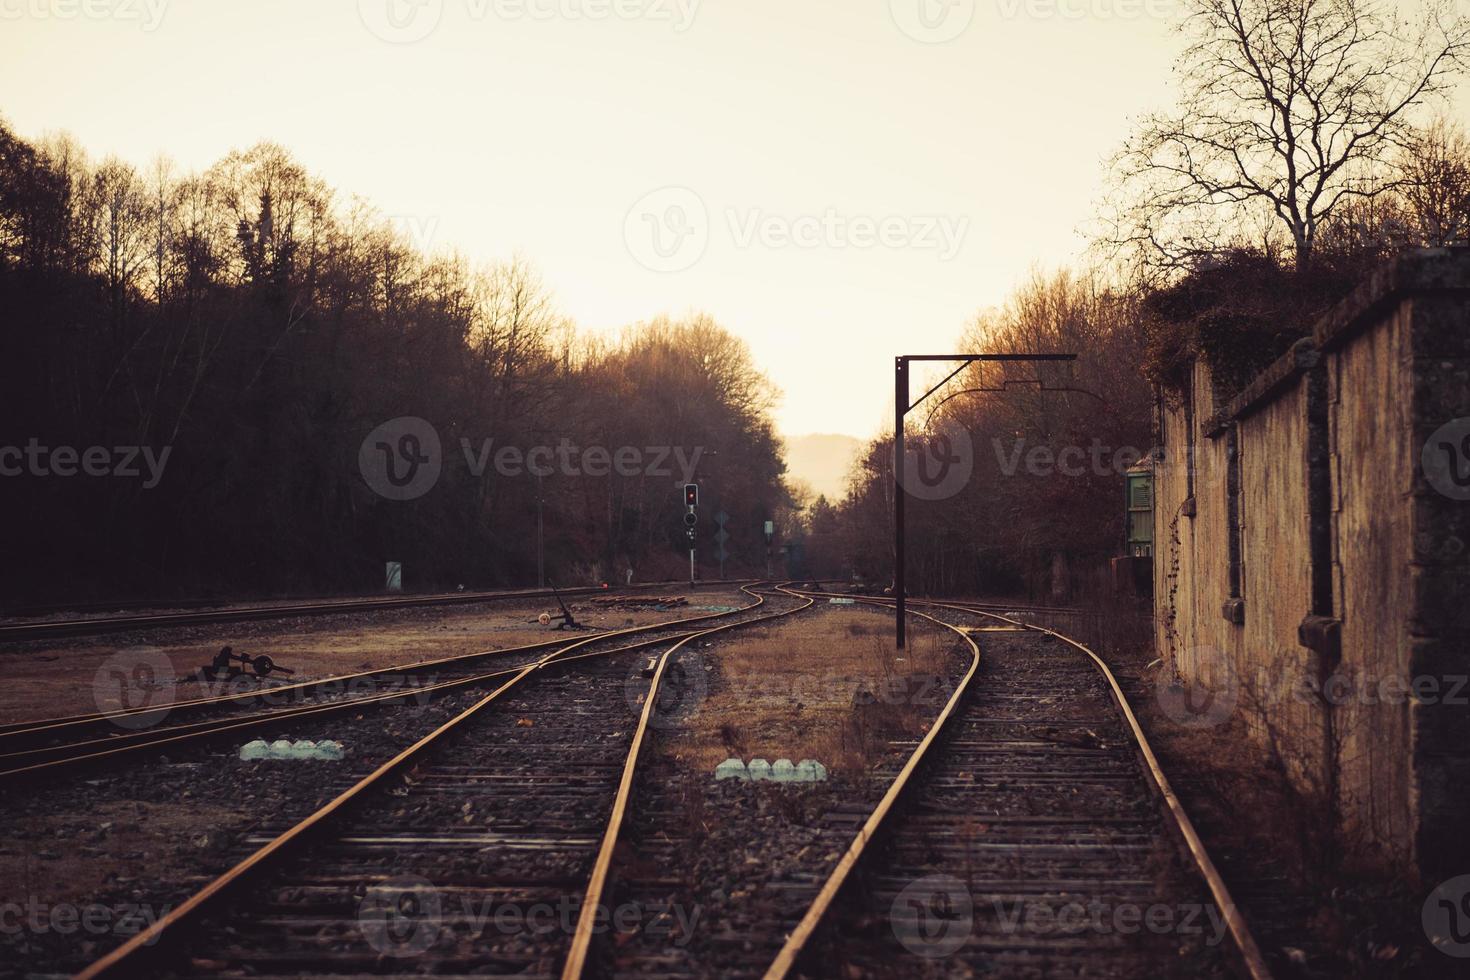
(822, 461)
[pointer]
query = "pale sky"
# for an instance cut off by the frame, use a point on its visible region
(837, 181)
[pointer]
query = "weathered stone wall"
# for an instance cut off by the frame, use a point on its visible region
(1276, 584)
(1373, 467)
(1190, 534)
(1258, 662)
(1345, 648)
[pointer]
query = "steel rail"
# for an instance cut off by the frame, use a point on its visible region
(17, 632)
(576, 959)
(45, 726)
(221, 603)
(129, 958)
(796, 942)
(1018, 606)
(1240, 933)
(50, 726)
(1239, 929)
(201, 731)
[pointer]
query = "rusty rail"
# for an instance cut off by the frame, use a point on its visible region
(41, 760)
(1236, 925)
(795, 943)
(54, 628)
(576, 960)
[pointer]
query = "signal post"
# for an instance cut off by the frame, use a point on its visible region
(691, 518)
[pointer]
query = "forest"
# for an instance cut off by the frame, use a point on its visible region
(215, 348)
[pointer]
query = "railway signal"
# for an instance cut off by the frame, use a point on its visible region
(691, 502)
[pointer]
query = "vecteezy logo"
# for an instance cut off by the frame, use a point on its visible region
(681, 690)
(1446, 459)
(134, 680)
(667, 230)
(938, 464)
(933, 917)
(400, 21)
(401, 917)
(401, 459)
(1446, 917)
(932, 21)
(1198, 706)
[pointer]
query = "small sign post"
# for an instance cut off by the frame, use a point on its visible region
(770, 537)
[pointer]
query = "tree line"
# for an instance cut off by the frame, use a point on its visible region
(192, 363)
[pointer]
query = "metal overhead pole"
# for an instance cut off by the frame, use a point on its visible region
(901, 407)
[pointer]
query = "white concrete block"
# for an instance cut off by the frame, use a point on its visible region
(811, 771)
(257, 749)
(327, 750)
(781, 771)
(731, 769)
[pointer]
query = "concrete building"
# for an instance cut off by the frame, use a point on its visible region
(1311, 564)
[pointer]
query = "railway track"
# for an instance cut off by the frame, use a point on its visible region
(1036, 838)
(455, 851)
(1029, 833)
(741, 929)
(47, 747)
(12, 632)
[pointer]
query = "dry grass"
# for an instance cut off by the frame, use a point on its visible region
(827, 685)
(1359, 920)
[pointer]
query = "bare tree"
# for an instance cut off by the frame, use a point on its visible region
(120, 210)
(1436, 183)
(1289, 110)
(163, 205)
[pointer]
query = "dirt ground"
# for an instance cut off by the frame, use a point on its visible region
(53, 679)
(825, 685)
(65, 853)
